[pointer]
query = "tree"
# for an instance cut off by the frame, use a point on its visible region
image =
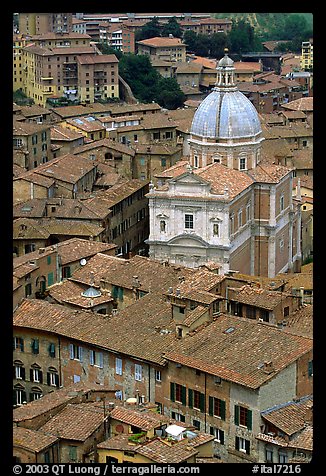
(170, 95)
(172, 28)
(242, 37)
(190, 39)
(218, 42)
(106, 49)
(150, 30)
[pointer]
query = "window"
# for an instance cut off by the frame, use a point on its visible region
(75, 352)
(216, 407)
(36, 374)
(52, 350)
(163, 162)
(36, 393)
(53, 377)
(310, 368)
(282, 458)
(189, 221)
(96, 358)
(177, 393)
(242, 163)
(264, 315)
(138, 372)
(196, 424)
(251, 312)
(19, 344)
(196, 400)
(118, 366)
(158, 375)
(242, 445)
(286, 311)
(50, 279)
(242, 416)
(48, 260)
(66, 272)
(248, 212)
(196, 163)
(19, 371)
(72, 453)
(178, 416)
(216, 229)
(269, 455)
(118, 394)
(281, 203)
(239, 218)
(19, 395)
(231, 224)
(28, 290)
(162, 226)
(218, 434)
(35, 346)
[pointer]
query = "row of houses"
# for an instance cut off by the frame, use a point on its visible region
(182, 342)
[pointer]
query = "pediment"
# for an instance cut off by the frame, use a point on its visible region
(189, 178)
(188, 240)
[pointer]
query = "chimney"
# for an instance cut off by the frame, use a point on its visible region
(301, 295)
(268, 367)
(41, 250)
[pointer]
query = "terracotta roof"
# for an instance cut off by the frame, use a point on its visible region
(254, 296)
(78, 110)
(34, 177)
(116, 146)
(159, 41)
(33, 110)
(27, 128)
(290, 417)
(303, 440)
(220, 176)
(75, 422)
(301, 321)
(236, 348)
(60, 36)
(162, 452)
(194, 315)
(269, 173)
(87, 123)
(32, 440)
(64, 134)
(69, 168)
(301, 104)
(76, 248)
(179, 168)
(143, 420)
(70, 292)
(49, 402)
(97, 59)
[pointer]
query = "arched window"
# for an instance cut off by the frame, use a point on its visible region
(53, 377)
(19, 395)
(19, 370)
(36, 374)
(36, 393)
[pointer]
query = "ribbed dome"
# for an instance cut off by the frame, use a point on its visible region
(226, 115)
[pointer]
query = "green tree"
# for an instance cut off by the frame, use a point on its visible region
(150, 30)
(295, 26)
(190, 39)
(242, 37)
(106, 49)
(218, 42)
(170, 95)
(172, 27)
(138, 72)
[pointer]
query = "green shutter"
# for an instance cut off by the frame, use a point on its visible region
(222, 407)
(120, 294)
(236, 414)
(247, 443)
(249, 419)
(50, 279)
(183, 395)
(237, 443)
(49, 260)
(190, 398)
(202, 402)
(221, 437)
(211, 406)
(172, 392)
(114, 292)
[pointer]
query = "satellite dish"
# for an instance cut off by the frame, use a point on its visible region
(83, 261)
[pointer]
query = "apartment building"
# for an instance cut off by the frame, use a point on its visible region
(38, 23)
(98, 77)
(168, 49)
(307, 55)
(32, 144)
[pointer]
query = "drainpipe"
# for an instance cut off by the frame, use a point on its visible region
(205, 412)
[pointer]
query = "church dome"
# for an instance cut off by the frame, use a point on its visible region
(226, 113)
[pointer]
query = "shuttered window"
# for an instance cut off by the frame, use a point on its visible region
(243, 416)
(216, 407)
(178, 393)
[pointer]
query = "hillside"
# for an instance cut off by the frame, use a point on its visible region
(265, 23)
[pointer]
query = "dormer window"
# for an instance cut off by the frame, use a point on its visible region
(242, 163)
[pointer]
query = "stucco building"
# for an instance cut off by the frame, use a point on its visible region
(225, 206)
